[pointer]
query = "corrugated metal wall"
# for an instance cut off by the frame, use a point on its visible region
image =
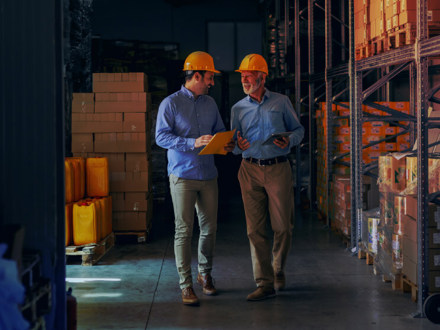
(32, 139)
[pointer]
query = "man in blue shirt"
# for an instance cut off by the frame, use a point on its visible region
(186, 122)
(265, 175)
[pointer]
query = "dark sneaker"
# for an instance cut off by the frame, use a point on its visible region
(280, 281)
(206, 282)
(261, 293)
(189, 297)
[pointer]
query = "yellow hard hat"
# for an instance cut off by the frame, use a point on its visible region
(253, 62)
(199, 61)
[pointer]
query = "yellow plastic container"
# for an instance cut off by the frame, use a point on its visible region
(69, 181)
(68, 209)
(97, 177)
(103, 217)
(109, 226)
(80, 176)
(85, 223)
(98, 207)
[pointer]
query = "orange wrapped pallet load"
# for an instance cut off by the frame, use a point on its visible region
(86, 226)
(80, 190)
(69, 181)
(97, 177)
(68, 209)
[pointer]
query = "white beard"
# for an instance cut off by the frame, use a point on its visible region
(252, 88)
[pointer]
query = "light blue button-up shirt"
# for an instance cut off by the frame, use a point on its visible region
(257, 121)
(180, 121)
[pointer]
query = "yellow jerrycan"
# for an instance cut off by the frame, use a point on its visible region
(68, 209)
(69, 181)
(80, 177)
(86, 227)
(97, 177)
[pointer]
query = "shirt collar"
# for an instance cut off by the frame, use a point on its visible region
(185, 91)
(265, 96)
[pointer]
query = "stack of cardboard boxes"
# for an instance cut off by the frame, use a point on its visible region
(382, 25)
(397, 239)
(114, 122)
(372, 131)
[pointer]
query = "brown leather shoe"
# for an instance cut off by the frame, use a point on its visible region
(206, 282)
(189, 297)
(280, 281)
(261, 293)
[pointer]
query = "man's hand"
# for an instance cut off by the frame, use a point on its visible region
(229, 146)
(282, 142)
(202, 141)
(242, 143)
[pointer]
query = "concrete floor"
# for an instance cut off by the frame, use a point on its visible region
(135, 286)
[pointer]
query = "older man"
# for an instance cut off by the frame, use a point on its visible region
(265, 174)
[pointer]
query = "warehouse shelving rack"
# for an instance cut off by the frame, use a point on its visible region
(413, 58)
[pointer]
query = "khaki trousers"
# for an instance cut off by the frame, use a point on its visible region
(202, 196)
(267, 189)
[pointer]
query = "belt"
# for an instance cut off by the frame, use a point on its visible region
(266, 162)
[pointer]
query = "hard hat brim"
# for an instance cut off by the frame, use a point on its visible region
(215, 71)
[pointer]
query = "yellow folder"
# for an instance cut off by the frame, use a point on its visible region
(217, 143)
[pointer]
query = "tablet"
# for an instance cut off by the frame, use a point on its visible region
(274, 136)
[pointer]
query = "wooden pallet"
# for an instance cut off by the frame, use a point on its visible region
(401, 36)
(363, 51)
(408, 286)
(368, 256)
(379, 45)
(396, 281)
(92, 253)
(139, 236)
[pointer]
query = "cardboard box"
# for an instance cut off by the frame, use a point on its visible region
(392, 173)
(96, 123)
(129, 181)
(410, 209)
(409, 228)
(412, 5)
(121, 142)
(409, 269)
(131, 205)
(116, 161)
(409, 248)
(135, 122)
(123, 102)
(434, 259)
(120, 82)
(137, 162)
(82, 142)
(117, 196)
(83, 103)
(127, 221)
(434, 281)
(434, 238)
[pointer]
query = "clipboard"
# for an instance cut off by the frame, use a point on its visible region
(275, 136)
(218, 141)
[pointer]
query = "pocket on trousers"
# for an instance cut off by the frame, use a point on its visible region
(174, 179)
